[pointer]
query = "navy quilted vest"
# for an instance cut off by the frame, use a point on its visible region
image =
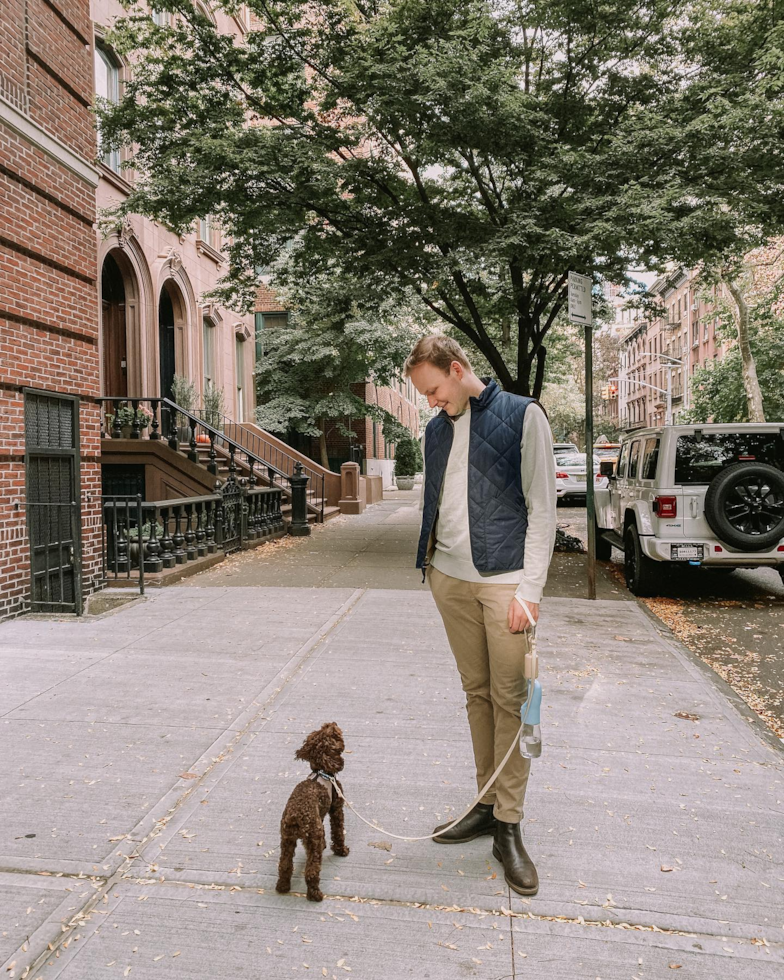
(497, 514)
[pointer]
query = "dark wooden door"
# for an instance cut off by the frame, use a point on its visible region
(115, 349)
(52, 501)
(166, 343)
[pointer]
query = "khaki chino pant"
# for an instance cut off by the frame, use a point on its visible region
(490, 659)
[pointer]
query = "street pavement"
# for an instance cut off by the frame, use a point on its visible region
(733, 621)
(148, 755)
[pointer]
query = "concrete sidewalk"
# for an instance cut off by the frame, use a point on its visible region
(148, 756)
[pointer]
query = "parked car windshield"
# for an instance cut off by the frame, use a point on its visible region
(699, 458)
(574, 459)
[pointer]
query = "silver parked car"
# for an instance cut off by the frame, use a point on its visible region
(709, 495)
(570, 475)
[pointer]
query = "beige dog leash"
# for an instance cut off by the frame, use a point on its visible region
(530, 673)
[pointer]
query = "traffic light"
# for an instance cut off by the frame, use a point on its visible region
(613, 391)
(605, 392)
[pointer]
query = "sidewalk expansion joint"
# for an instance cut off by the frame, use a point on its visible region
(77, 920)
(502, 913)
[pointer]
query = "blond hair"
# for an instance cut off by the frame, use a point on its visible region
(438, 350)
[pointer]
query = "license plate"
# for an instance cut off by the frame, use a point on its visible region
(578, 476)
(686, 552)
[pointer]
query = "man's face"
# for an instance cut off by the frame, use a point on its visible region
(443, 390)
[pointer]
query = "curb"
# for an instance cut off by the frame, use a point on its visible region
(755, 723)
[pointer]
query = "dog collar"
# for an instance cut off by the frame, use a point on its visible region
(326, 778)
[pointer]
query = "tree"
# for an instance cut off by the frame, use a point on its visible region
(747, 383)
(565, 407)
(305, 379)
(468, 153)
(563, 395)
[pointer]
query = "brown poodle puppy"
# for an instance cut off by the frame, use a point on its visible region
(309, 803)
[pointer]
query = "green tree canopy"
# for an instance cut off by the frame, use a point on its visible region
(468, 153)
(305, 377)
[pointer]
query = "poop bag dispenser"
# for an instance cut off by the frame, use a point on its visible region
(531, 709)
(530, 715)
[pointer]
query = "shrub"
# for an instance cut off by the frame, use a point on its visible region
(405, 458)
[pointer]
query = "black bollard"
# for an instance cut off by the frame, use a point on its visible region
(299, 526)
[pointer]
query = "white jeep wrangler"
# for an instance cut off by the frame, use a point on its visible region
(710, 495)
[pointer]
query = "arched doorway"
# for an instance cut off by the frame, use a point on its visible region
(166, 341)
(113, 329)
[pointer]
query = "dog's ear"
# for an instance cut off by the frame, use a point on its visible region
(305, 751)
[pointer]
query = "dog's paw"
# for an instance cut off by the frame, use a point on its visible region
(314, 895)
(283, 887)
(341, 852)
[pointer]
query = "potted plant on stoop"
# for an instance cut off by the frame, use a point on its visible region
(214, 409)
(184, 395)
(405, 464)
(125, 420)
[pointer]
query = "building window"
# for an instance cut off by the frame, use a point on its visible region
(209, 232)
(208, 332)
(107, 86)
(265, 322)
(259, 335)
(239, 346)
(161, 17)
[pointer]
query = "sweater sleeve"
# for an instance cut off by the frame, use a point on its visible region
(538, 479)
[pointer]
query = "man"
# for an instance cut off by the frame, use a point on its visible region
(488, 529)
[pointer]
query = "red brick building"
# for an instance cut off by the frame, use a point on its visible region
(675, 344)
(49, 364)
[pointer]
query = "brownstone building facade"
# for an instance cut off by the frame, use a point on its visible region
(49, 363)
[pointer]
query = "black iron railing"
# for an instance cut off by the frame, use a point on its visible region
(141, 537)
(267, 454)
(211, 439)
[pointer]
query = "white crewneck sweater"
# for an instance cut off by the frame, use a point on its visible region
(537, 469)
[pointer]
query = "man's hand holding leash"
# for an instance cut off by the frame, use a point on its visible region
(518, 621)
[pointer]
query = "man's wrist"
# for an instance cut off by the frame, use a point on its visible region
(527, 593)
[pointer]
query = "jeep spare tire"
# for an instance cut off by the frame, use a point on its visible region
(744, 506)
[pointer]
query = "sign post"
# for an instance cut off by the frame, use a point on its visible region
(580, 311)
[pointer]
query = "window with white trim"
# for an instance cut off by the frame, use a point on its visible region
(107, 86)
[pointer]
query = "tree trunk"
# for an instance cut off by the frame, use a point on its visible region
(323, 444)
(750, 381)
(541, 356)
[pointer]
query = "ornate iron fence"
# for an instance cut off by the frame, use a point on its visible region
(146, 538)
(221, 439)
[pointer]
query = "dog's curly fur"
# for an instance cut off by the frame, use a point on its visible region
(309, 803)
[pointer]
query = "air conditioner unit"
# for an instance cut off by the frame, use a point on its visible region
(695, 306)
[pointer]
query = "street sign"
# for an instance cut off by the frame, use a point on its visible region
(580, 298)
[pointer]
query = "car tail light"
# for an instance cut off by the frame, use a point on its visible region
(780, 547)
(717, 548)
(562, 476)
(665, 506)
